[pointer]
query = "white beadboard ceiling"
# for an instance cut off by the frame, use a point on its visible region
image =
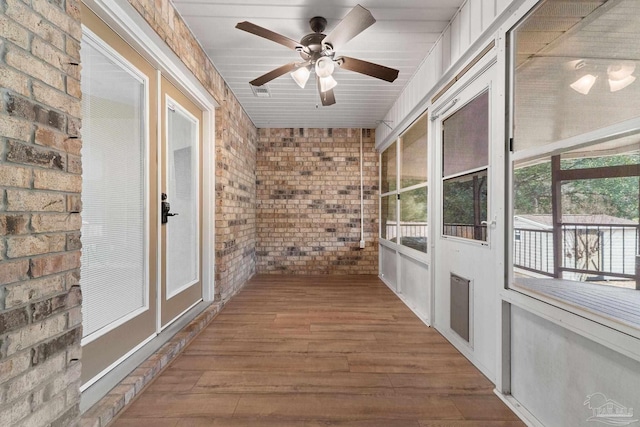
(401, 38)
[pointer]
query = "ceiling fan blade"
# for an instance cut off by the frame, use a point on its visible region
(356, 21)
(369, 68)
(327, 98)
(266, 78)
(268, 34)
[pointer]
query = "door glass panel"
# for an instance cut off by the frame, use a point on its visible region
(183, 257)
(114, 221)
(466, 137)
(465, 206)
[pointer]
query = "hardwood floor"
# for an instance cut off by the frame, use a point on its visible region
(325, 351)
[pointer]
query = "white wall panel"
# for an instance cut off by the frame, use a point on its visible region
(553, 371)
(416, 285)
(475, 19)
(388, 267)
(455, 41)
(465, 27)
(501, 5)
(446, 49)
(488, 13)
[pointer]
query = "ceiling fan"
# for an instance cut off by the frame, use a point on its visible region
(317, 50)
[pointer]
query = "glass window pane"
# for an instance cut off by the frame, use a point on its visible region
(389, 169)
(388, 220)
(113, 194)
(183, 256)
(413, 218)
(466, 137)
(568, 83)
(464, 206)
(413, 167)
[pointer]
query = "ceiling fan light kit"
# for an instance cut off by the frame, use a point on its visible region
(619, 75)
(318, 50)
(301, 76)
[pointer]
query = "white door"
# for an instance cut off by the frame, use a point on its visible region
(467, 205)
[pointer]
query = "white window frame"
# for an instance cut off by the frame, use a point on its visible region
(613, 335)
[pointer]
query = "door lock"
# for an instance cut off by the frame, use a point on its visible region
(165, 210)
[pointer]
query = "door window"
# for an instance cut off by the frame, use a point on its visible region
(465, 156)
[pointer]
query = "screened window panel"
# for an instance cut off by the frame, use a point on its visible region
(183, 257)
(413, 219)
(569, 83)
(389, 169)
(466, 137)
(413, 149)
(464, 206)
(388, 219)
(113, 272)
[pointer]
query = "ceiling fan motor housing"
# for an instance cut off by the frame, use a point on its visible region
(313, 48)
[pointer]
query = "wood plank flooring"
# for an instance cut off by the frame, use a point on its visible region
(324, 351)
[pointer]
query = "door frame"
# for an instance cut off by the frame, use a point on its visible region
(127, 23)
(441, 109)
(132, 27)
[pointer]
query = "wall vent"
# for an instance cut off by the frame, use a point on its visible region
(459, 320)
(261, 91)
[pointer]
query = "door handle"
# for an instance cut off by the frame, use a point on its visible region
(165, 210)
(488, 223)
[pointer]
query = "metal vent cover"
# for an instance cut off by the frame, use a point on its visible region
(261, 91)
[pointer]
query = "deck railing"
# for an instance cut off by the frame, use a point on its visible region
(588, 249)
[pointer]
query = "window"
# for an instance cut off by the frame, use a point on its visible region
(389, 193)
(465, 156)
(413, 186)
(409, 169)
(576, 159)
(114, 219)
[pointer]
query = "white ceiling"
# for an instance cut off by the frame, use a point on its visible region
(404, 33)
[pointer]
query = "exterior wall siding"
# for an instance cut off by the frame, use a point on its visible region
(40, 185)
(308, 218)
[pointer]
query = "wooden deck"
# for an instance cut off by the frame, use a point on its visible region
(615, 303)
(318, 352)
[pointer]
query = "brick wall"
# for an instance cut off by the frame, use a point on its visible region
(40, 184)
(236, 140)
(308, 215)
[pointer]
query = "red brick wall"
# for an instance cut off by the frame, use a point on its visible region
(40, 184)
(308, 214)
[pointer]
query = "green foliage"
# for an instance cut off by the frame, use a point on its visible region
(611, 196)
(458, 204)
(413, 205)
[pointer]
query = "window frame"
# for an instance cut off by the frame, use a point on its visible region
(604, 330)
(397, 245)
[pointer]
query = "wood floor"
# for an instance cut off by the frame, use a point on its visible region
(318, 352)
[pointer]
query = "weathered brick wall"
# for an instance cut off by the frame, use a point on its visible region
(308, 215)
(40, 184)
(236, 142)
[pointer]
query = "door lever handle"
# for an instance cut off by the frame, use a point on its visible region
(488, 223)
